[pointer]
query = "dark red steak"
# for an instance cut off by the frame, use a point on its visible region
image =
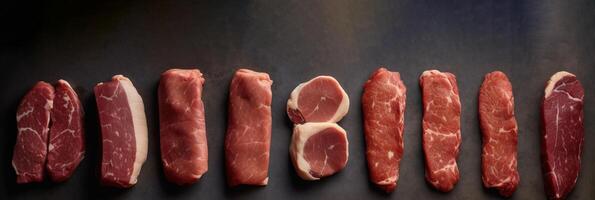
(67, 139)
(248, 138)
(184, 151)
(123, 131)
(383, 105)
(441, 128)
(33, 118)
(499, 130)
(562, 134)
(318, 150)
(319, 100)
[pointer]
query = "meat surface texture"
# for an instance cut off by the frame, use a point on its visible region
(499, 131)
(319, 100)
(441, 128)
(66, 138)
(318, 150)
(248, 138)
(123, 131)
(184, 151)
(562, 134)
(33, 118)
(383, 104)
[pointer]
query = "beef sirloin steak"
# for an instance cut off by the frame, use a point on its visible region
(123, 131)
(183, 139)
(248, 138)
(33, 118)
(562, 133)
(499, 129)
(383, 105)
(66, 138)
(318, 149)
(441, 128)
(321, 99)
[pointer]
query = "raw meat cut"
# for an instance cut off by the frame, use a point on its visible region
(248, 138)
(318, 150)
(33, 118)
(441, 128)
(499, 130)
(562, 133)
(67, 139)
(123, 131)
(383, 104)
(319, 100)
(184, 151)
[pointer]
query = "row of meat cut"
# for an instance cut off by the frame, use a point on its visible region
(51, 136)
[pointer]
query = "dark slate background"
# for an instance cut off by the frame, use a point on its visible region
(86, 42)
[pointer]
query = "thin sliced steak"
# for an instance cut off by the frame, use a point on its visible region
(67, 138)
(248, 138)
(123, 131)
(499, 130)
(318, 150)
(321, 99)
(562, 133)
(33, 118)
(184, 151)
(383, 104)
(441, 128)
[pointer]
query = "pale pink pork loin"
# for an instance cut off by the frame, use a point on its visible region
(248, 138)
(318, 149)
(184, 152)
(321, 99)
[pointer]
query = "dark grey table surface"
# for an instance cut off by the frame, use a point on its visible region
(88, 42)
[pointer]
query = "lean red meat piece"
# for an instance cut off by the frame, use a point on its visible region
(499, 130)
(67, 139)
(383, 104)
(123, 131)
(33, 118)
(248, 138)
(318, 150)
(184, 151)
(319, 100)
(562, 133)
(441, 128)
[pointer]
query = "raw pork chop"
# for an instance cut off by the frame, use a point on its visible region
(319, 100)
(33, 118)
(248, 138)
(499, 129)
(563, 133)
(123, 131)
(383, 104)
(67, 138)
(184, 152)
(318, 150)
(441, 128)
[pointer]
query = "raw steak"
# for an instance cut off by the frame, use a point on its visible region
(248, 138)
(67, 138)
(184, 152)
(33, 118)
(499, 130)
(123, 131)
(319, 100)
(318, 150)
(563, 133)
(383, 104)
(441, 128)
